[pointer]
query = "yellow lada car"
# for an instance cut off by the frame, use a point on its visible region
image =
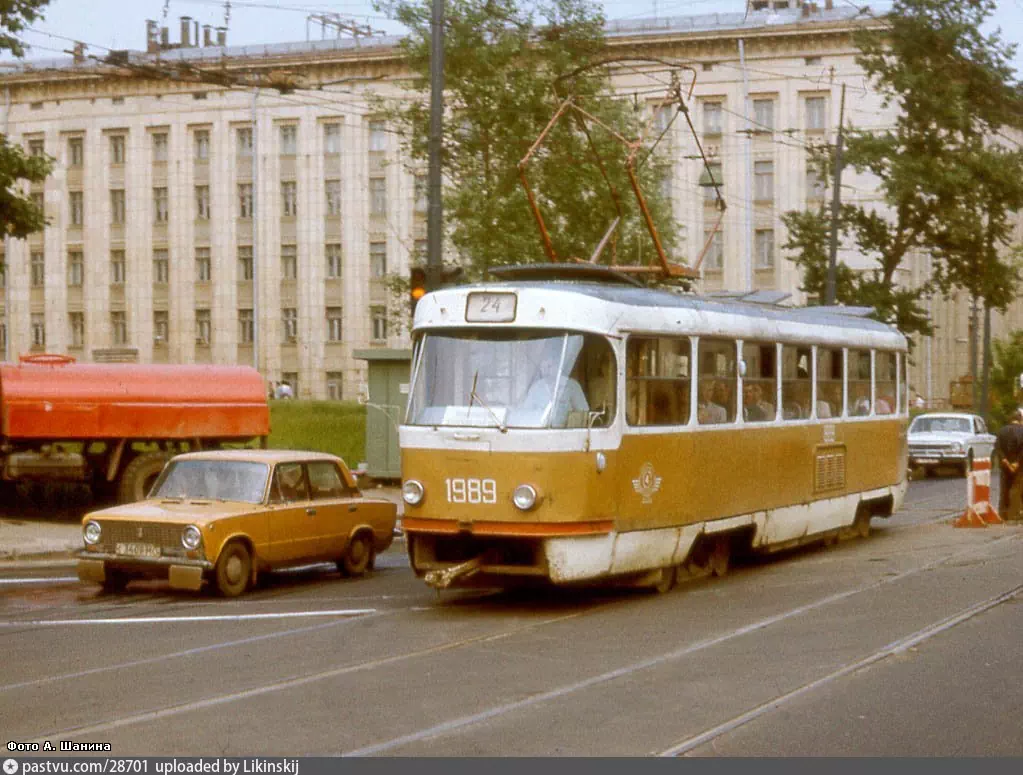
(224, 516)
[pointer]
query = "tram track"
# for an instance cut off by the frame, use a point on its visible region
(464, 722)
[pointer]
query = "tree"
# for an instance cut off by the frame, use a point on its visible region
(503, 60)
(19, 215)
(955, 92)
(1005, 389)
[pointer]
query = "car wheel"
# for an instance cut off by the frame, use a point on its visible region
(358, 556)
(114, 580)
(234, 567)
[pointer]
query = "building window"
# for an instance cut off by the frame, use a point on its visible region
(333, 254)
(377, 136)
(75, 268)
(712, 113)
(763, 181)
(714, 257)
(763, 115)
(289, 199)
(36, 148)
(289, 318)
(160, 204)
(814, 184)
(245, 267)
(662, 116)
(202, 203)
(203, 265)
(332, 138)
(243, 137)
(202, 144)
(816, 113)
(75, 152)
(711, 175)
(333, 324)
(763, 248)
(421, 194)
(161, 266)
(38, 330)
(289, 262)
(335, 384)
(117, 208)
(203, 326)
(246, 326)
(377, 259)
(244, 200)
(76, 322)
(76, 206)
(289, 140)
(333, 188)
(38, 263)
(379, 318)
(119, 327)
(117, 149)
(161, 327)
(117, 267)
(377, 196)
(159, 146)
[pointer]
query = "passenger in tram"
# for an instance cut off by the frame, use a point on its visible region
(860, 399)
(797, 405)
(709, 412)
(755, 408)
(883, 405)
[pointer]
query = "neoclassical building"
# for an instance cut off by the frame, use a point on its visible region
(239, 223)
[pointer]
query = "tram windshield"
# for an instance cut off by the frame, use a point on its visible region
(513, 379)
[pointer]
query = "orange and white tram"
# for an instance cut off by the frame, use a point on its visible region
(588, 429)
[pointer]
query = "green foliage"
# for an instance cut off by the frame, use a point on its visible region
(503, 59)
(949, 184)
(337, 427)
(1008, 365)
(19, 216)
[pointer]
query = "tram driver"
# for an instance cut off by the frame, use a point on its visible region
(571, 397)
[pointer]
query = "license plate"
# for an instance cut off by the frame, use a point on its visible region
(922, 461)
(138, 550)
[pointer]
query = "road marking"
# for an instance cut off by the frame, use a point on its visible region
(896, 647)
(177, 619)
(49, 580)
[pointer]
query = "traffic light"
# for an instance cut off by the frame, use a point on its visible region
(417, 286)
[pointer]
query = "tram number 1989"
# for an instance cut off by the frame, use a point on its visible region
(471, 490)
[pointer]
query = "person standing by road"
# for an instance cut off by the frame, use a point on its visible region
(1009, 446)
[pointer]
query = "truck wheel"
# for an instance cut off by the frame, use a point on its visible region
(139, 475)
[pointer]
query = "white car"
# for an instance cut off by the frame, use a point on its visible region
(948, 439)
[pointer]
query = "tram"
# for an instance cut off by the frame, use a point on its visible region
(566, 424)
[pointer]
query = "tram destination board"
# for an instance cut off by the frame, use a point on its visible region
(490, 308)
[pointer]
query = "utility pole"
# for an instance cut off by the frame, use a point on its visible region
(435, 207)
(836, 204)
(984, 408)
(255, 231)
(974, 331)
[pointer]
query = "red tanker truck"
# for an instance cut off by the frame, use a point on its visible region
(113, 426)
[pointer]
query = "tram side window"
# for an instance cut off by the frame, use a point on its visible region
(829, 383)
(859, 383)
(796, 365)
(885, 387)
(759, 384)
(717, 382)
(657, 380)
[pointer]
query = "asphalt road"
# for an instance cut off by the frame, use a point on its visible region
(906, 643)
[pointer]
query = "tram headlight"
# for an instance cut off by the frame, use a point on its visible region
(524, 497)
(191, 537)
(92, 532)
(412, 492)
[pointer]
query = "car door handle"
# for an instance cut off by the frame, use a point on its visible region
(311, 512)
(353, 508)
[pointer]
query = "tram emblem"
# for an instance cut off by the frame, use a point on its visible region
(647, 484)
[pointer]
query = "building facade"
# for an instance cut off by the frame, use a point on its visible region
(237, 224)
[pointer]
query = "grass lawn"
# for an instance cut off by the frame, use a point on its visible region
(337, 427)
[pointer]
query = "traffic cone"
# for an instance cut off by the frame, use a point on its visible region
(979, 511)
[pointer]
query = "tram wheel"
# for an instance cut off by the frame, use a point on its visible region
(720, 556)
(862, 523)
(667, 581)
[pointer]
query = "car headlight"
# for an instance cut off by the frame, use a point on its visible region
(92, 532)
(412, 492)
(524, 497)
(956, 446)
(191, 537)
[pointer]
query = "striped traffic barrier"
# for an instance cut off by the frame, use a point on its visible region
(979, 511)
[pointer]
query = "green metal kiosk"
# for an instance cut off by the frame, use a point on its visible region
(388, 382)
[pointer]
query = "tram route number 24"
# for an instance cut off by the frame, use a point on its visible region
(471, 490)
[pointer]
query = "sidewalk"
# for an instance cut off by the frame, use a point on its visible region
(36, 537)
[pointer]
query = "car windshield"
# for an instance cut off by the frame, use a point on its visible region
(941, 425)
(513, 379)
(224, 480)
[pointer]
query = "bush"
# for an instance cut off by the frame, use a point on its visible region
(337, 427)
